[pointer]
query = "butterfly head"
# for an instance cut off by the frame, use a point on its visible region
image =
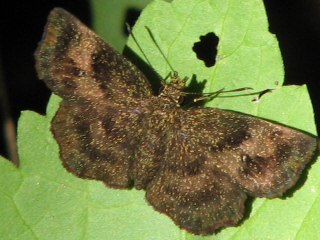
(173, 92)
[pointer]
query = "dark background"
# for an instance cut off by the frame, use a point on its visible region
(296, 24)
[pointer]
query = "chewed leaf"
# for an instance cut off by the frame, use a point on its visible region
(41, 199)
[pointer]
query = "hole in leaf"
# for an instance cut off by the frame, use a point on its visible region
(206, 49)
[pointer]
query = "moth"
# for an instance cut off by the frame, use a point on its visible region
(196, 164)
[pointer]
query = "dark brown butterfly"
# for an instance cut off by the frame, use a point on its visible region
(197, 164)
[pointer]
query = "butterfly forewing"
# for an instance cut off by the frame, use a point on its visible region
(78, 65)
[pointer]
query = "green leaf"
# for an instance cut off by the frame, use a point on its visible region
(41, 200)
(109, 16)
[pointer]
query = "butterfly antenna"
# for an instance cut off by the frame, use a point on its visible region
(155, 42)
(256, 99)
(145, 56)
(135, 40)
(209, 94)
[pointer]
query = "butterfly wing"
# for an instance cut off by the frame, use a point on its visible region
(78, 65)
(216, 157)
(98, 142)
(263, 158)
(198, 198)
(97, 123)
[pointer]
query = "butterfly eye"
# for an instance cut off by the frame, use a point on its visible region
(181, 98)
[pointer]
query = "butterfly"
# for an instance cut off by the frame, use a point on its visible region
(197, 165)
